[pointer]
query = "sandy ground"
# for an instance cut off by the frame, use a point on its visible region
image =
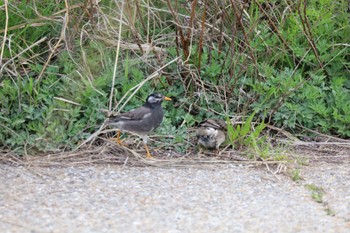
(230, 198)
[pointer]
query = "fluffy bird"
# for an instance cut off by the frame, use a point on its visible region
(142, 120)
(211, 133)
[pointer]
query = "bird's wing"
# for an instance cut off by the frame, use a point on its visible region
(133, 115)
(213, 123)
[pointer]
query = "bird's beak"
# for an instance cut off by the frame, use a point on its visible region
(167, 98)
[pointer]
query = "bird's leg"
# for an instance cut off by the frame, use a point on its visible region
(117, 139)
(200, 152)
(148, 154)
(144, 139)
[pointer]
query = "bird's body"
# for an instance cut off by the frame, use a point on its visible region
(141, 120)
(211, 133)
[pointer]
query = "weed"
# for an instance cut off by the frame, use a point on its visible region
(316, 192)
(296, 175)
(329, 211)
(303, 161)
(244, 135)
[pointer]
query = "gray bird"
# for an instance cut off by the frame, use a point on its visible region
(142, 120)
(211, 133)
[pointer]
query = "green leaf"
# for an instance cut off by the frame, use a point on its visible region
(232, 134)
(247, 126)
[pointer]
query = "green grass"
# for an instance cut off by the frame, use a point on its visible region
(296, 175)
(273, 65)
(316, 192)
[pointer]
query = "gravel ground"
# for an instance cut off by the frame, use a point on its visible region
(117, 199)
(334, 180)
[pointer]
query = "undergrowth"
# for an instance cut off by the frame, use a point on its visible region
(284, 63)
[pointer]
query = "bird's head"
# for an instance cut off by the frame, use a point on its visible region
(206, 133)
(155, 99)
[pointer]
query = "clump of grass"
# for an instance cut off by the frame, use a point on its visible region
(317, 194)
(296, 175)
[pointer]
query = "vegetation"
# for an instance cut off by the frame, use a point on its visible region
(317, 194)
(65, 65)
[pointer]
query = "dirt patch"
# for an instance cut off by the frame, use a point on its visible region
(112, 153)
(324, 152)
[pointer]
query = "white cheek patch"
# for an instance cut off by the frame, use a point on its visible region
(211, 131)
(153, 99)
